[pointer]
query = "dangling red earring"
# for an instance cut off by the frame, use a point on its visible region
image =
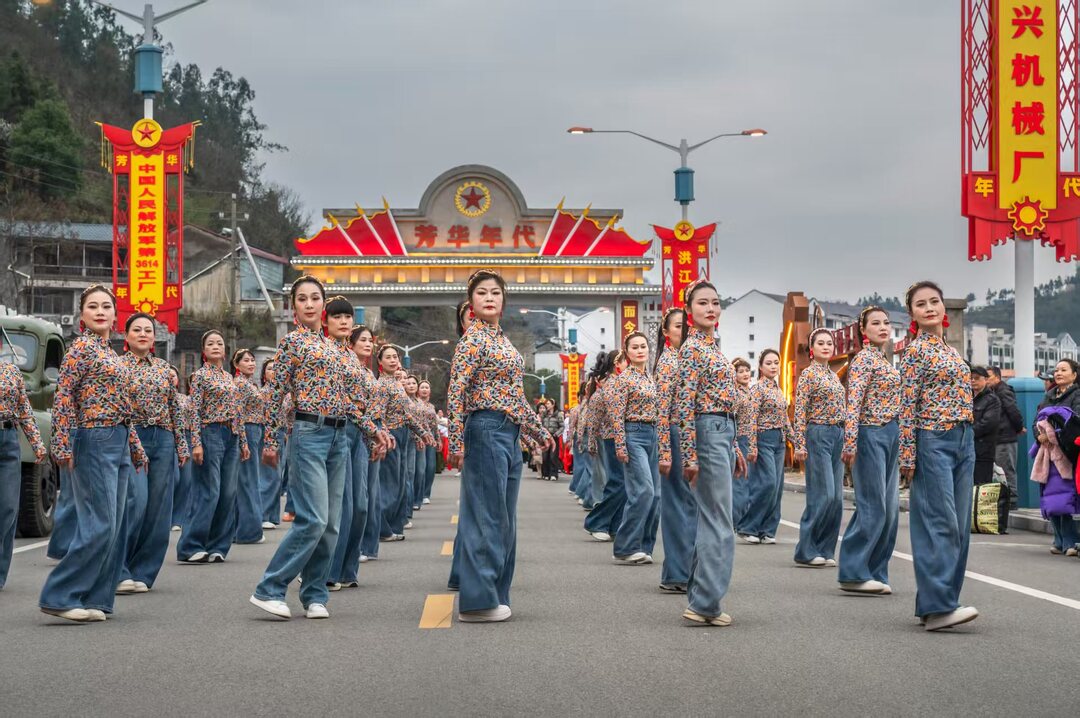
(203, 355)
(945, 321)
(811, 353)
(82, 326)
(914, 328)
(472, 314)
(125, 346)
(667, 341)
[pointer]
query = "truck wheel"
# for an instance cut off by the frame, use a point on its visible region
(38, 500)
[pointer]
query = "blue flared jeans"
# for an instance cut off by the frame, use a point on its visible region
(642, 486)
(678, 520)
(249, 504)
(940, 516)
(211, 525)
(487, 524)
(765, 484)
(606, 516)
(819, 528)
(345, 565)
(10, 488)
(714, 544)
(87, 575)
(871, 532)
(148, 509)
(318, 461)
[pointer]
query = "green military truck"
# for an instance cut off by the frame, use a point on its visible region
(37, 348)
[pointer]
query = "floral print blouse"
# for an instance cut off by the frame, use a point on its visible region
(873, 394)
(356, 389)
(15, 405)
(600, 426)
(667, 382)
(252, 406)
(768, 410)
(633, 398)
(216, 399)
(706, 386)
(819, 399)
(187, 413)
(308, 365)
(742, 410)
(397, 409)
(487, 374)
(935, 391)
(93, 391)
(154, 399)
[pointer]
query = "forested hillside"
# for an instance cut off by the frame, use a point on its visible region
(66, 64)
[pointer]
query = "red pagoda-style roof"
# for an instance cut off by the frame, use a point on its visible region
(364, 236)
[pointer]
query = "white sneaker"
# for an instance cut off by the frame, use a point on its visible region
(125, 587)
(408, 525)
(768, 540)
(875, 587)
(95, 615)
(425, 502)
(816, 562)
(216, 558)
(364, 559)
(197, 557)
(278, 608)
(580, 502)
(830, 562)
(399, 537)
(141, 587)
(489, 615)
(330, 586)
(648, 558)
(887, 591)
(632, 559)
(601, 536)
(750, 539)
(262, 539)
(317, 610)
(175, 528)
(268, 526)
(79, 615)
(961, 615)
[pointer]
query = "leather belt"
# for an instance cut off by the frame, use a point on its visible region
(331, 421)
(725, 414)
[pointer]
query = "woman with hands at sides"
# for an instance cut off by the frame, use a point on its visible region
(770, 430)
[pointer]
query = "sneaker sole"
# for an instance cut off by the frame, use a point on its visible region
(257, 604)
(969, 619)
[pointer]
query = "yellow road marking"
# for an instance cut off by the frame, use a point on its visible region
(438, 611)
(453, 520)
(447, 548)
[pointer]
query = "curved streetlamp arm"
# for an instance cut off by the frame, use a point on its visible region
(691, 148)
(671, 147)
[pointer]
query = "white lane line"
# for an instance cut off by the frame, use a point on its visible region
(1007, 585)
(31, 546)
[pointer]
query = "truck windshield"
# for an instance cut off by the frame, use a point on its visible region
(20, 349)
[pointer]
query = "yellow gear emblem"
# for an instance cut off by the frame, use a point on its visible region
(472, 199)
(146, 133)
(684, 231)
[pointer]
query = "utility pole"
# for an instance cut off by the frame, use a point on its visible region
(234, 269)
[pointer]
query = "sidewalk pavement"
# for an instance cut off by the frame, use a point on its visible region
(1022, 519)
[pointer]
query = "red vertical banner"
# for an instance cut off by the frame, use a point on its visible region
(684, 258)
(148, 166)
(628, 319)
(573, 370)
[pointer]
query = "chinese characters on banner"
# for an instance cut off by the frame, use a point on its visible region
(573, 370)
(1023, 194)
(148, 165)
(483, 238)
(628, 319)
(684, 258)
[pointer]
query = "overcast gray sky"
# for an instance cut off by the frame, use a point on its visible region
(855, 190)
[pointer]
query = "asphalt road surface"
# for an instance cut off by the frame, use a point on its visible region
(588, 637)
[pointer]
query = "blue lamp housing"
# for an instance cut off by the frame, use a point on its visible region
(148, 69)
(684, 185)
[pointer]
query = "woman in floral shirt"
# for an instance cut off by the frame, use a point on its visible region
(310, 367)
(270, 476)
(15, 415)
(604, 518)
(634, 413)
(431, 419)
(488, 415)
(362, 341)
(185, 477)
(159, 422)
(218, 447)
(770, 430)
(249, 505)
(820, 413)
(937, 452)
(705, 406)
(740, 490)
(872, 449)
(92, 397)
(678, 507)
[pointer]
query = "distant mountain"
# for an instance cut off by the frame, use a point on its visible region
(1057, 308)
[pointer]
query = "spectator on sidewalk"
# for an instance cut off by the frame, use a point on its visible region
(987, 408)
(1010, 427)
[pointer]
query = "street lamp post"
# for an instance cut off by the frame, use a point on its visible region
(148, 54)
(406, 361)
(543, 382)
(684, 176)
(563, 317)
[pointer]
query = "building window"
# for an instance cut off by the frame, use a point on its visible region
(52, 301)
(751, 337)
(750, 354)
(751, 320)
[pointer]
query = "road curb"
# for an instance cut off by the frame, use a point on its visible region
(1017, 519)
